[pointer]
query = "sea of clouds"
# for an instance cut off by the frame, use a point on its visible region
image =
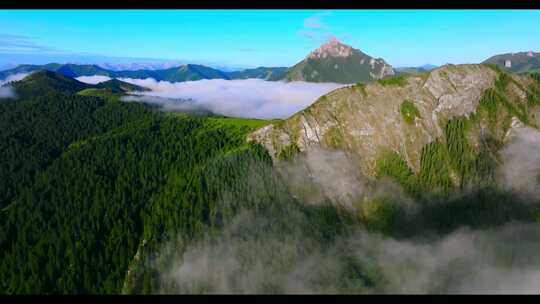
(249, 98)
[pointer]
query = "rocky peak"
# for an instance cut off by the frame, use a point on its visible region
(332, 48)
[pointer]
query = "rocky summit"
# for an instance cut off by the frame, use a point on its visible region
(340, 63)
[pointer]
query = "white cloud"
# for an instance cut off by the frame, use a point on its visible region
(6, 91)
(250, 98)
(93, 79)
(520, 169)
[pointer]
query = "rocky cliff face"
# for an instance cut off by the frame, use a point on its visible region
(404, 115)
(340, 63)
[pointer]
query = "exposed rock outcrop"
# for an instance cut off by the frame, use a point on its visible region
(365, 120)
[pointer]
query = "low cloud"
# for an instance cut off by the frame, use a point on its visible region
(520, 168)
(250, 98)
(6, 91)
(250, 259)
(93, 79)
(13, 77)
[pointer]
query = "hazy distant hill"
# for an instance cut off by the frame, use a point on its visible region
(418, 69)
(521, 62)
(260, 72)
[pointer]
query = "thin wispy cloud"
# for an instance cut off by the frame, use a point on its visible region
(316, 22)
(20, 43)
(317, 31)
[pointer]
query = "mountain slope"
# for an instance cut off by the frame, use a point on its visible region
(81, 180)
(337, 62)
(521, 62)
(408, 122)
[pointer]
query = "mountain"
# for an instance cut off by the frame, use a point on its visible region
(185, 72)
(265, 73)
(43, 82)
(427, 130)
(521, 62)
(337, 62)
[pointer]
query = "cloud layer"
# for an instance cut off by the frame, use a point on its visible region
(520, 169)
(250, 98)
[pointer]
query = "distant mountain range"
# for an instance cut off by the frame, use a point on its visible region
(331, 62)
(176, 74)
(340, 63)
(522, 62)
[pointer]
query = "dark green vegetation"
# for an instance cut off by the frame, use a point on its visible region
(176, 74)
(81, 177)
(94, 189)
(522, 62)
(409, 111)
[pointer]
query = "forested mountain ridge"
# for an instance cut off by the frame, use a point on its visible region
(79, 179)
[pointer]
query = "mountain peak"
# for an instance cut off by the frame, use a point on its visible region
(332, 48)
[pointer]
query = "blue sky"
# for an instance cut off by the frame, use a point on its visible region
(265, 37)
